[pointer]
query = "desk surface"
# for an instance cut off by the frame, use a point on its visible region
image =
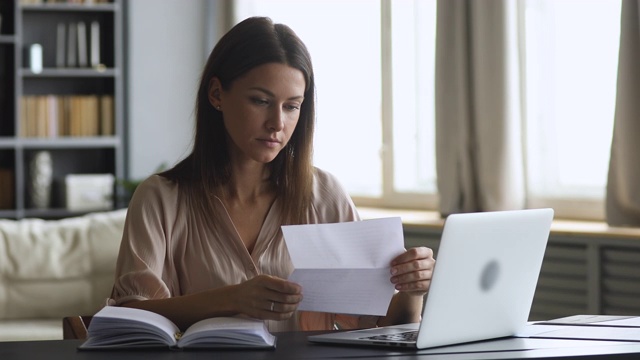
(294, 345)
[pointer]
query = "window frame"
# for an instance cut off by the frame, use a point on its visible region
(390, 198)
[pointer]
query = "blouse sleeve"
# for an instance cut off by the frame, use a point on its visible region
(141, 269)
(330, 201)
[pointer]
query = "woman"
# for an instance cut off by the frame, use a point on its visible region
(203, 239)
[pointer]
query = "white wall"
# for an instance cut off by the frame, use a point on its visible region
(165, 55)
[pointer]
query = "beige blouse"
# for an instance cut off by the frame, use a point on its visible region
(169, 250)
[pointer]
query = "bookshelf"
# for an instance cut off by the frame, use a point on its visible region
(68, 101)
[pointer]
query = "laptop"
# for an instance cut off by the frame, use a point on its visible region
(482, 287)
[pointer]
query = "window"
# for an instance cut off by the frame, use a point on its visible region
(374, 63)
(570, 67)
(375, 128)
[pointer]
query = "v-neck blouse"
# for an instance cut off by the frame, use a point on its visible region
(168, 249)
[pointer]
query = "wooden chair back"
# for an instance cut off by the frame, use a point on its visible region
(75, 327)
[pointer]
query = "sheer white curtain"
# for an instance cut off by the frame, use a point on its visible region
(477, 107)
(623, 186)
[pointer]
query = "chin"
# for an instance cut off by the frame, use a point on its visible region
(267, 158)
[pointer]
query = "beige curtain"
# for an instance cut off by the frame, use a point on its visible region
(478, 143)
(623, 187)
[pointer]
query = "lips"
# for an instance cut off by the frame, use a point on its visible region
(271, 142)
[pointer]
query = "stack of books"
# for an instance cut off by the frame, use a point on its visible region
(49, 116)
(78, 45)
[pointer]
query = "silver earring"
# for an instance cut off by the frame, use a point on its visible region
(218, 107)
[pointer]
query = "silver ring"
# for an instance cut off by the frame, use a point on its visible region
(272, 305)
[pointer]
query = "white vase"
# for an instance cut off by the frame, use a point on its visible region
(41, 169)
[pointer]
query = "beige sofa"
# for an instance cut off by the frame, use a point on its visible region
(55, 268)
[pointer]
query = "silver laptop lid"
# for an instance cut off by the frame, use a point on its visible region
(485, 277)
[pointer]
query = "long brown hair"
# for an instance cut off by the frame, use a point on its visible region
(251, 43)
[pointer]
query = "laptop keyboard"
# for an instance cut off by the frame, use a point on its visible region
(403, 336)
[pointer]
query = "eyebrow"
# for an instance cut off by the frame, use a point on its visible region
(300, 97)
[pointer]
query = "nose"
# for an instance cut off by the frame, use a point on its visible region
(276, 119)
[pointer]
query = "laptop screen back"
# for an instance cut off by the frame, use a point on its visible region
(485, 276)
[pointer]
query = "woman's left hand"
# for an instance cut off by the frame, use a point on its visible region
(412, 270)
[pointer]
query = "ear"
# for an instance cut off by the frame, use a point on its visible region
(215, 88)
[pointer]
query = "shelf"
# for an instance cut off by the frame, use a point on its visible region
(69, 73)
(69, 7)
(50, 102)
(98, 142)
(69, 142)
(7, 142)
(8, 214)
(7, 39)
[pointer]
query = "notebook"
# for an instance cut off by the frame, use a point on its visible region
(485, 276)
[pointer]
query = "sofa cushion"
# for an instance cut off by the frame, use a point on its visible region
(57, 268)
(31, 330)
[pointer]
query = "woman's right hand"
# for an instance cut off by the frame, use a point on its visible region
(267, 297)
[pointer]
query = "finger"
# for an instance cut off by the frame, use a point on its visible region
(417, 281)
(413, 254)
(267, 309)
(415, 265)
(282, 286)
(289, 299)
(415, 276)
(279, 297)
(255, 299)
(266, 289)
(277, 311)
(270, 306)
(421, 286)
(277, 307)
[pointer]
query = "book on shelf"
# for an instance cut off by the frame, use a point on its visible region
(83, 115)
(94, 53)
(60, 45)
(84, 2)
(42, 119)
(78, 45)
(6, 188)
(81, 30)
(107, 126)
(72, 43)
(66, 115)
(115, 327)
(25, 116)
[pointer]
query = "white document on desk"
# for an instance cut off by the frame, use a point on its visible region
(345, 267)
(596, 320)
(580, 332)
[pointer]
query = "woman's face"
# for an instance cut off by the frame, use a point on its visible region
(260, 110)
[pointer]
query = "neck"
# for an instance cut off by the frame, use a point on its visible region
(248, 183)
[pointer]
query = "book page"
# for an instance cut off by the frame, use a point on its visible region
(120, 326)
(227, 332)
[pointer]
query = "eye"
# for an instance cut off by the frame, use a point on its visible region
(259, 101)
(292, 107)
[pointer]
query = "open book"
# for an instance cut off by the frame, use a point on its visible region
(116, 327)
